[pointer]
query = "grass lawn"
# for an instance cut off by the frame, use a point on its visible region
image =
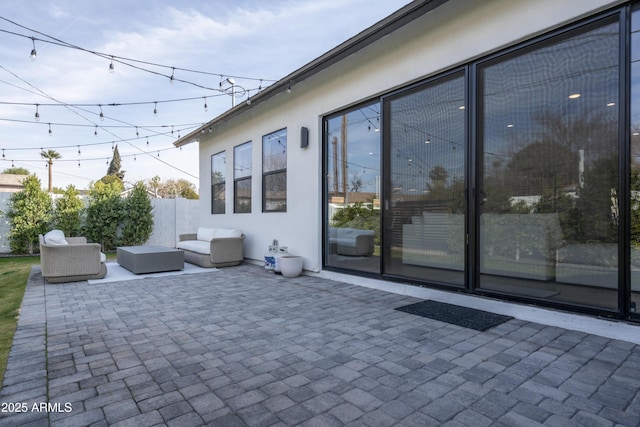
(14, 273)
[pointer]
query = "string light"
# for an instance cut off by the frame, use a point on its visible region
(95, 132)
(101, 114)
(78, 150)
(3, 153)
(111, 66)
(206, 108)
(171, 79)
(155, 108)
(50, 132)
(33, 51)
(37, 116)
(131, 62)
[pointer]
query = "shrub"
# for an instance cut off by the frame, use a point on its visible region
(137, 223)
(103, 215)
(29, 213)
(67, 212)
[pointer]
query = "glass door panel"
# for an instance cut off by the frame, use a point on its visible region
(635, 163)
(548, 180)
(425, 219)
(352, 189)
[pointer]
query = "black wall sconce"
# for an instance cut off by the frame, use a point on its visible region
(304, 137)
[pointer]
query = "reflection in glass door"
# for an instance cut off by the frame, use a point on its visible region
(352, 189)
(425, 217)
(548, 152)
(635, 164)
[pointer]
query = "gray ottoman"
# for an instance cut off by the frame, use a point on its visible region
(150, 259)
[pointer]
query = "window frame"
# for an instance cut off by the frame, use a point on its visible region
(266, 174)
(222, 183)
(241, 180)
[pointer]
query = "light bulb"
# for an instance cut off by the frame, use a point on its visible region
(50, 132)
(111, 67)
(155, 109)
(33, 51)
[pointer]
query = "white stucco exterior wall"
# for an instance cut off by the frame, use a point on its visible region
(454, 34)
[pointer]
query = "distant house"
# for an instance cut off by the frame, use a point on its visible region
(10, 183)
(464, 122)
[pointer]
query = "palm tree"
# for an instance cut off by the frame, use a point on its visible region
(50, 155)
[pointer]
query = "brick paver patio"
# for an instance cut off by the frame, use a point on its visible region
(241, 346)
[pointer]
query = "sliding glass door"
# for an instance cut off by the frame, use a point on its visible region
(511, 176)
(352, 189)
(549, 169)
(425, 160)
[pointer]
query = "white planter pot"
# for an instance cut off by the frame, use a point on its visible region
(290, 266)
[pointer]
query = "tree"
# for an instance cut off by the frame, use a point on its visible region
(29, 215)
(171, 188)
(67, 212)
(137, 223)
(103, 215)
(50, 155)
(154, 185)
(114, 166)
(113, 180)
(16, 171)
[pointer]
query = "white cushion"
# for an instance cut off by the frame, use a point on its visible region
(199, 246)
(226, 232)
(206, 234)
(55, 237)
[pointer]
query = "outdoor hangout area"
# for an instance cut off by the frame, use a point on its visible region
(72, 259)
(243, 346)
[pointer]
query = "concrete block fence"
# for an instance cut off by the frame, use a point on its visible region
(171, 217)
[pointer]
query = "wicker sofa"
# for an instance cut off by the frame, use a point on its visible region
(351, 241)
(212, 247)
(70, 259)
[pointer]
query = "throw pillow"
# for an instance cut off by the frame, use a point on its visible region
(55, 237)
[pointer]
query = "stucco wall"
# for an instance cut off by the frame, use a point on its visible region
(453, 34)
(173, 217)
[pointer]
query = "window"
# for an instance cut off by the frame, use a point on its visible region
(548, 153)
(274, 172)
(218, 182)
(426, 170)
(352, 189)
(242, 178)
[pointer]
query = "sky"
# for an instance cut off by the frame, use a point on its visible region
(201, 43)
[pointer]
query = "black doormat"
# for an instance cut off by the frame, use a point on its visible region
(455, 314)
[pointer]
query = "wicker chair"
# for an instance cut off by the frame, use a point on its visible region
(211, 247)
(72, 262)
